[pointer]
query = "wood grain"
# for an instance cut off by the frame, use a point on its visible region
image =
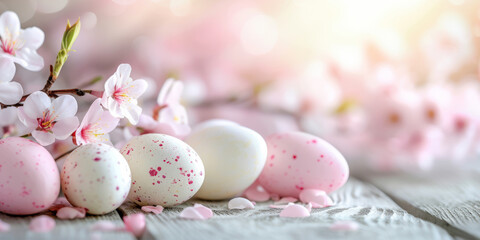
(378, 216)
(65, 229)
(448, 199)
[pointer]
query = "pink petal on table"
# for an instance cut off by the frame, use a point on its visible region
(71, 212)
(286, 200)
(153, 209)
(294, 211)
(256, 193)
(197, 212)
(204, 211)
(345, 226)
(240, 203)
(4, 227)
(60, 203)
(104, 225)
(42, 223)
(318, 198)
(277, 206)
(135, 224)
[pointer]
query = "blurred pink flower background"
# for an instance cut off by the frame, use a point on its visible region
(392, 84)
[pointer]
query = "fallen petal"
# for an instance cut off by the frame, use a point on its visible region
(60, 203)
(294, 211)
(153, 209)
(256, 193)
(4, 227)
(277, 206)
(71, 212)
(197, 212)
(286, 200)
(345, 226)
(204, 211)
(135, 224)
(42, 223)
(240, 203)
(318, 198)
(104, 225)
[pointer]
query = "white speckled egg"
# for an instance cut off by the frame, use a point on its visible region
(29, 179)
(96, 177)
(233, 156)
(298, 161)
(165, 170)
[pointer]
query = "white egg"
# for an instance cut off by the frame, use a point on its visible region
(233, 156)
(165, 170)
(96, 177)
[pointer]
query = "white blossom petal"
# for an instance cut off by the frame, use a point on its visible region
(43, 138)
(136, 88)
(30, 123)
(7, 70)
(9, 25)
(132, 112)
(10, 92)
(64, 107)
(29, 59)
(65, 127)
(33, 37)
(123, 75)
(36, 104)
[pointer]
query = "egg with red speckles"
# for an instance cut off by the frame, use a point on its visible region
(298, 161)
(29, 178)
(233, 156)
(165, 170)
(96, 177)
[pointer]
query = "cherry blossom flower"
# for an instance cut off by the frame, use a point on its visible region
(10, 92)
(49, 120)
(169, 109)
(20, 45)
(96, 125)
(121, 94)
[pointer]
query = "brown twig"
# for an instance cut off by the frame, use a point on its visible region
(51, 80)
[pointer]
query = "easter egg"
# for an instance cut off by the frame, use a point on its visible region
(233, 156)
(29, 178)
(298, 161)
(165, 170)
(96, 177)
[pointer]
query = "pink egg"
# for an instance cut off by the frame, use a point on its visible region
(29, 177)
(298, 161)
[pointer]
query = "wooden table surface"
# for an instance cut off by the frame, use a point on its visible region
(439, 205)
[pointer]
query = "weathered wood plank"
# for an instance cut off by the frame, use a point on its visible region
(448, 199)
(378, 216)
(65, 229)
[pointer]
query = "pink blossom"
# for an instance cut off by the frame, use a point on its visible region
(49, 120)
(10, 92)
(169, 109)
(121, 94)
(96, 125)
(20, 45)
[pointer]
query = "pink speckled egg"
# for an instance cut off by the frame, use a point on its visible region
(29, 179)
(165, 170)
(96, 177)
(298, 161)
